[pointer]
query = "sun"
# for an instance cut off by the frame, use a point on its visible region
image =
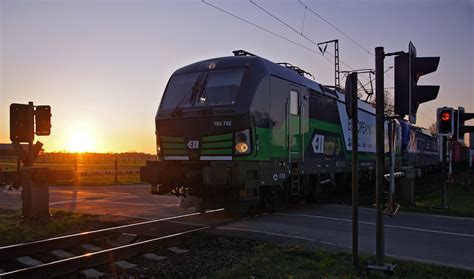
(80, 141)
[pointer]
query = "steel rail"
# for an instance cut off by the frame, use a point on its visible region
(28, 248)
(89, 260)
(73, 264)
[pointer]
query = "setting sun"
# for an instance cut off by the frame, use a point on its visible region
(80, 142)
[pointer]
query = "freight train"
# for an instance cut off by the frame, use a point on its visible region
(242, 131)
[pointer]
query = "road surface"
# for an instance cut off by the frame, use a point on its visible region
(433, 239)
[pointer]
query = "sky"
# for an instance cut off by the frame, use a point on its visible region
(103, 65)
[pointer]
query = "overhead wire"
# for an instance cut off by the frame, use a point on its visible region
(263, 29)
(296, 31)
(301, 34)
(338, 29)
(335, 27)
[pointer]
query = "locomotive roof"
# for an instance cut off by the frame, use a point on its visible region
(258, 62)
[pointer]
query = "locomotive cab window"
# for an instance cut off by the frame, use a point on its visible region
(220, 87)
(179, 91)
(294, 100)
(214, 88)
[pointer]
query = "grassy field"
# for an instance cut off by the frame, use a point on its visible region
(96, 180)
(15, 229)
(274, 261)
(460, 198)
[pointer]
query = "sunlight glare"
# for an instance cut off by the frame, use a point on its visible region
(80, 141)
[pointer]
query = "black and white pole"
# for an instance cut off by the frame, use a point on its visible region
(380, 264)
(380, 157)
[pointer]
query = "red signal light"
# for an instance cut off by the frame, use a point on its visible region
(445, 116)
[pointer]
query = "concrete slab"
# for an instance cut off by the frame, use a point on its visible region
(91, 247)
(92, 273)
(123, 239)
(28, 261)
(178, 250)
(153, 257)
(125, 265)
(61, 254)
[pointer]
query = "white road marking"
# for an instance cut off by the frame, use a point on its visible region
(280, 235)
(188, 223)
(373, 224)
(344, 247)
(406, 213)
(63, 202)
(133, 217)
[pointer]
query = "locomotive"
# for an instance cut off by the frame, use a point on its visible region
(242, 131)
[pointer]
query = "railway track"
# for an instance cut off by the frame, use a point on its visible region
(78, 254)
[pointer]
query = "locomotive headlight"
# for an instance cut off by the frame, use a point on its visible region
(241, 147)
(158, 145)
(242, 142)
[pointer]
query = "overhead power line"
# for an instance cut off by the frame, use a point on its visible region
(335, 27)
(339, 30)
(262, 28)
(294, 30)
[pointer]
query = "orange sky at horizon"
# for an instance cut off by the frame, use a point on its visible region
(102, 66)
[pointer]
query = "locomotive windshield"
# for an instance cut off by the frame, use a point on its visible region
(202, 89)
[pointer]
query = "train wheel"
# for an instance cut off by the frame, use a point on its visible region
(266, 198)
(312, 187)
(281, 197)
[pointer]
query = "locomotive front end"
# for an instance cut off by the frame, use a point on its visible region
(204, 135)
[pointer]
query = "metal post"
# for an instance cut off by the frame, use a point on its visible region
(444, 203)
(76, 176)
(336, 64)
(31, 131)
(380, 152)
(116, 169)
(355, 180)
(471, 152)
(18, 171)
(391, 142)
(26, 174)
(380, 264)
(450, 150)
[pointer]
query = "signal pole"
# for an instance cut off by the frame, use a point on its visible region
(444, 203)
(30, 125)
(380, 160)
(380, 264)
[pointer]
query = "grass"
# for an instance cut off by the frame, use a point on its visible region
(460, 198)
(273, 261)
(15, 229)
(96, 180)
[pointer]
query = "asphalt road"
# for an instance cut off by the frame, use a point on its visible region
(427, 238)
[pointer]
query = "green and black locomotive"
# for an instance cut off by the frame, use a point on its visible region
(240, 131)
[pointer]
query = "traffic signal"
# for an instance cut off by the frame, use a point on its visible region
(461, 127)
(457, 134)
(445, 121)
(43, 120)
(21, 123)
(408, 94)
